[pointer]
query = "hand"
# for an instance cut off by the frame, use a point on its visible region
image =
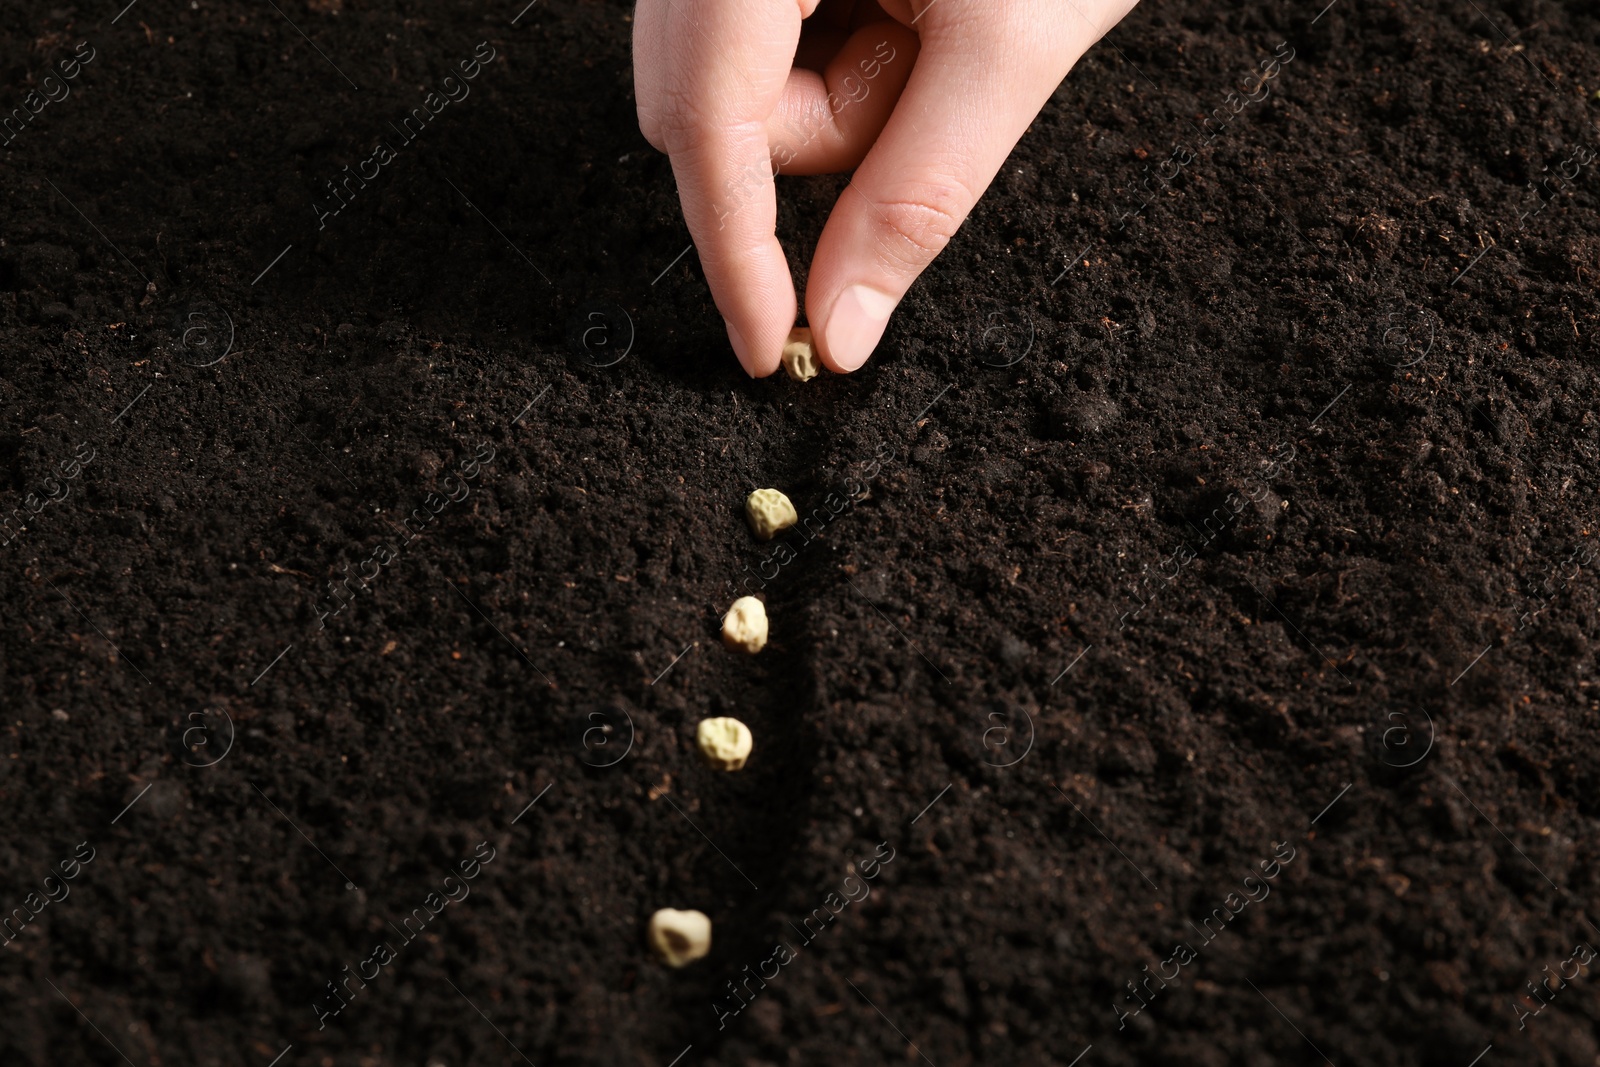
(925, 98)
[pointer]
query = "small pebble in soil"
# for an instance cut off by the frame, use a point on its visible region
(679, 937)
(744, 628)
(724, 743)
(800, 355)
(769, 512)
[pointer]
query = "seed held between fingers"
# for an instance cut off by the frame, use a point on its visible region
(679, 937)
(744, 628)
(769, 512)
(724, 743)
(800, 355)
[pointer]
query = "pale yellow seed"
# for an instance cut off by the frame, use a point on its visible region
(725, 743)
(800, 355)
(744, 628)
(769, 511)
(679, 937)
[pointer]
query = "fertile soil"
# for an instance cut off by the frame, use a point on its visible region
(1202, 589)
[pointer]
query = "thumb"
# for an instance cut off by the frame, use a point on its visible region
(971, 95)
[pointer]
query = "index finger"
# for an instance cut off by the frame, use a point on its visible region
(729, 61)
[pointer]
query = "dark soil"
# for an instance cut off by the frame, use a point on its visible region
(1266, 530)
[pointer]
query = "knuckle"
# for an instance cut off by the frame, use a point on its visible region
(668, 117)
(918, 227)
(682, 136)
(650, 127)
(688, 125)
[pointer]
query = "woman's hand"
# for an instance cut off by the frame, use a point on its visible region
(925, 98)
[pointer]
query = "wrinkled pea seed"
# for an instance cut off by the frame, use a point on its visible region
(679, 937)
(724, 743)
(800, 355)
(744, 628)
(769, 511)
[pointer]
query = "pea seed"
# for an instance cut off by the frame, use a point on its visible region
(679, 937)
(724, 743)
(800, 355)
(769, 511)
(744, 628)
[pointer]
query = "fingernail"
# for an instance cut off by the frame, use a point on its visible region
(740, 349)
(856, 324)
